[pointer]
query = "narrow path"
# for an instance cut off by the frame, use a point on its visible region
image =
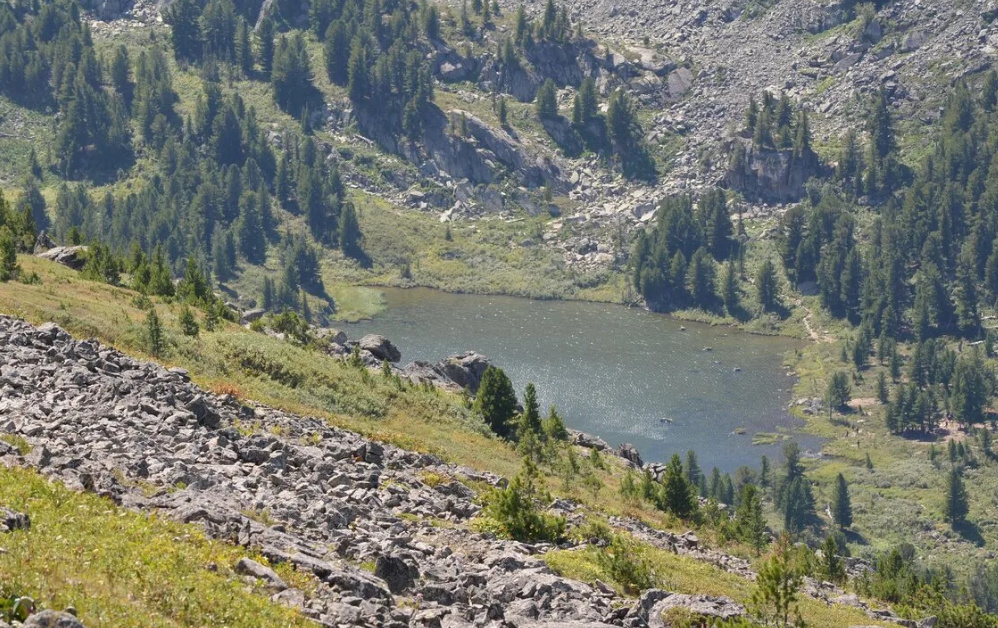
(815, 336)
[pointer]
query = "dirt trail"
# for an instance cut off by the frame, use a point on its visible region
(815, 336)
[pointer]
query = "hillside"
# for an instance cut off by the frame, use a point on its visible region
(356, 518)
(821, 170)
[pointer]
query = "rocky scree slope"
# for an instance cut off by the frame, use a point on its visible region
(323, 499)
(914, 49)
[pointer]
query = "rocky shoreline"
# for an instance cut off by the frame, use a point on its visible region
(299, 491)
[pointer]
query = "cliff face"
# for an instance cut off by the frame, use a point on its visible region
(770, 175)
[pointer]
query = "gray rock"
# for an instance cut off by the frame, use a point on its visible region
(52, 619)
(456, 373)
(332, 336)
(704, 606)
(10, 520)
(249, 567)
(588, 441)
(43, 243)
(380, 347)
(397, 573)
(252, 315)
(630, 453)
(72, 256)
(206, 416)
(771, 175)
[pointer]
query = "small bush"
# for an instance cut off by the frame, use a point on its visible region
(292, 325)
(594, 530)
(625, 563)
(513, 512)
(188, 323)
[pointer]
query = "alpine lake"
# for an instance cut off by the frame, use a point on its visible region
(624, 374)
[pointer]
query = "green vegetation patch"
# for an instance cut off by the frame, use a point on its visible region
(121, 568)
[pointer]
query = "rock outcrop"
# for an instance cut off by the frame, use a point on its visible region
(74, 257)
(457, 373)
(380, 347)
(770, 175)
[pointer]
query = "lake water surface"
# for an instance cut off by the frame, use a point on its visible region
(612, 371)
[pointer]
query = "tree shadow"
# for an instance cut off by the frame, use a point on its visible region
(969, 531)
(782, 311)
(740, 314)
(561, 131)
(360, 256)
(855, 537)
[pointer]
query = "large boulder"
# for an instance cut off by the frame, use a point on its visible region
(11, 520)
(251, 315)
(588, 441)
(396, 572)
(52, 619)
(630, 453)
(72, 256)
(43, 243)
(465, 369)
(708, 607)
(456, 373)
(380, 347)
(249, 567)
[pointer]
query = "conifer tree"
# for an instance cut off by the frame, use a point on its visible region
(777, 588)
(678, 496)
(749, 519)
(831, 565)
(692, 471)
(243, 48)
(154, 334)
(351, 238)
(267, 297)
(793, 495)
(729, 289)
(547, 101)
(841, 506)
(766, 286)
(185, 32)
(431, 23)
(989, 92)
(291, 75)
(520, 25)
(554, 426)
(120, 78)
(8, 255)
(265, 44)
(358, 86)
(957, 505)
(252, 240)
(496, 401)
(188, 323)
(530, 420)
